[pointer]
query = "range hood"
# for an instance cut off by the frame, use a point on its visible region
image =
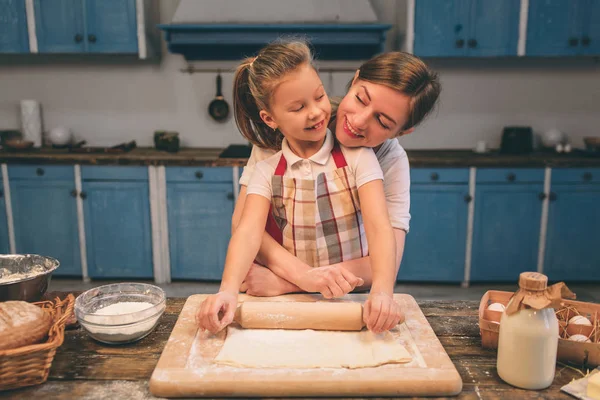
(234, 29)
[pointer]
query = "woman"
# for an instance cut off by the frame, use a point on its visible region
(388, 97)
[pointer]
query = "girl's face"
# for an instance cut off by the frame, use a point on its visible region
(300, 109)
(370, 114)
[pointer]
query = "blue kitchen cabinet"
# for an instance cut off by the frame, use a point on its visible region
(441, 28)
(59, 26)
(506, 227)
(563, 28)
(45, 214)
(590, 38)
(111, 26)
(494, 28)
(117, 221)
(435, 245)
(4, 241)
(475, 28)
(573, 233)
(200, 206)
(86, 26)
(13, 27)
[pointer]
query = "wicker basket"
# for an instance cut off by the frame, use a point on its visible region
(587, 354)
(30, 365)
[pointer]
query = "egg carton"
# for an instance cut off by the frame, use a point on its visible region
(573, 344)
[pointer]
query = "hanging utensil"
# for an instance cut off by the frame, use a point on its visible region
(218, 108)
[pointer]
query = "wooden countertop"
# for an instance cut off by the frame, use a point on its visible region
(210, 157)
(84, 368)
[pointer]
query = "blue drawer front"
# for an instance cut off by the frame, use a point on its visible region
(41, 172)
(114, 173)
(576, 175)
(510, 175)
(439, 175)
(199, 174)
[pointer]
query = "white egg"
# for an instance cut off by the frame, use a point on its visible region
(497, 307)
(580, 320)
(580, 338)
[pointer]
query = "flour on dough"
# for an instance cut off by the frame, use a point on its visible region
(278, 348)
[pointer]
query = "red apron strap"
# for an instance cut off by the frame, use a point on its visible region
(271, 226)
(281, 167)
(338, 156)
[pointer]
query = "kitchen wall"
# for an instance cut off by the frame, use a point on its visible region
(108, 104)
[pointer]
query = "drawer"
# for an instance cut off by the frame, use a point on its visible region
(510, 175)
(199, 174)
(439, 175)
(41, 172)
(576, 175)
(113, 173)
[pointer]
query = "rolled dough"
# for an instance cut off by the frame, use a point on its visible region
(278, 348)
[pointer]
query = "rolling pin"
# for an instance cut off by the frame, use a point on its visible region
(300, 315)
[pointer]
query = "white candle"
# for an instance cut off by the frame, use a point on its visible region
(31, 121)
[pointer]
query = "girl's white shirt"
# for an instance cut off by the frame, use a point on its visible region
(389, 163)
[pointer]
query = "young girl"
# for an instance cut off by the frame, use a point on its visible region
(312, 195)
(388, 97)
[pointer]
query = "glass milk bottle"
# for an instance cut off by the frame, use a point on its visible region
(528, 339)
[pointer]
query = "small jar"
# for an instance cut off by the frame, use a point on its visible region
(528, 340)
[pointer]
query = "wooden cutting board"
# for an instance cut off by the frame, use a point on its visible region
(186, 367)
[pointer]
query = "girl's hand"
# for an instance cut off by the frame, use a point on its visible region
(208, 315)
(331, 281)
(381, 313)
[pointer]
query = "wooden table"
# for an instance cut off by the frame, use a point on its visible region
(86, 369)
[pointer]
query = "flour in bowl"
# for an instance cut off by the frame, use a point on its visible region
(111, 322)
(7, 276)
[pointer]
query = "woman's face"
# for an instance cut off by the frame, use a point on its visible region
(370, 114)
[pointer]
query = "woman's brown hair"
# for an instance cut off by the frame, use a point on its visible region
(408, 75)
(254, 83)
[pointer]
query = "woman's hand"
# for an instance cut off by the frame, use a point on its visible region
(331, 281)
(381, 313)
(208, 315)
(261, 281)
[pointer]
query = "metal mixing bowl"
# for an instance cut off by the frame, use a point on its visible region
(29, 288)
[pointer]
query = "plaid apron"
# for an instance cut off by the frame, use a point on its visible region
(318, 221)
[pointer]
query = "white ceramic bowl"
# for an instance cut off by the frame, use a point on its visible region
(60, 136)
(120, 328)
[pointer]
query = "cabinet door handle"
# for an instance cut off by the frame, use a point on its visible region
(230, 196)
(40, 172)
(468, 198)
(83, 195)
(78, 38)
(585, 41)
(74, 193)
(472, 43)
(199, 174)
(460, 43)
(573, 42)
(542, 196)
(434, 176)
(552, 196)
(92, 38)
(587, 176)
(511, 177)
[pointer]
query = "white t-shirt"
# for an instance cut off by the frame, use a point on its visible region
(361, 161)
(393, 162)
